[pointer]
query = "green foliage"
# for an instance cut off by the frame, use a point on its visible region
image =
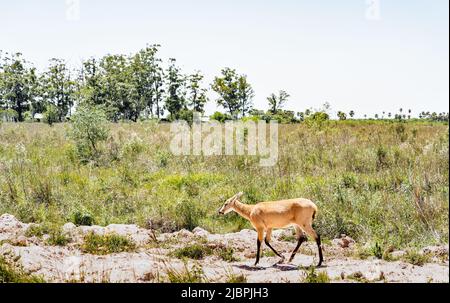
(416, 258)
(58, 238)
(186, 275)
(235, 93)
(236, 278)
(218, 116)
(80, 218)
(12, 274)
(226, 254)
(106, 244)
(401, 202)
(377, 251)
(195, 251)
(89, 128)
(312, 276)
(51, 114)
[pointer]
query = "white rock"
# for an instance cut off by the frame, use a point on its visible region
(198, 231)
(69, 227)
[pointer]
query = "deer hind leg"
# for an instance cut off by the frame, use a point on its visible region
(301, 236)
(310, 231)
(267, 241)
(258, 243)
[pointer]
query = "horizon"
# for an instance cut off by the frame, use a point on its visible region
(346, 54)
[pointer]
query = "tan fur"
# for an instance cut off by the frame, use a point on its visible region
(265, 216)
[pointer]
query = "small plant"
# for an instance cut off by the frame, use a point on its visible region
(89, 128)
(416, 258)
(357, 276)
(106, 244)
(194, 251)
(236, 278)
(12, 274)
(80, 218)
(226, 254)
(51, 114)
(58, 238)
(193, 275)
(377, 251)
(316, 277)
(37, 230)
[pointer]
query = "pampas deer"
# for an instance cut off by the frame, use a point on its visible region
(265, 216)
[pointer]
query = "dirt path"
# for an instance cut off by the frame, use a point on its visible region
(151, 261)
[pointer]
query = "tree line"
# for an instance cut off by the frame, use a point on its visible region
(137, 86)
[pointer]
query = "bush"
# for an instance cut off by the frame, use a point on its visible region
(80, 218)
(89, 128)
(194, 251)
(193, 275)
(416, 258)
(316, 277)
(11, 274)
(218, 116)
(51, 114)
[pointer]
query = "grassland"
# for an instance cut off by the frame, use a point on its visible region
(378, 182)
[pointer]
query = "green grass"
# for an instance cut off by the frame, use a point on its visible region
(195, 251)
(416, 258)
(11, 274)
(313, 276)
(194, 274)
(373, 181)
(106, 244)
(198, 251)
(236, 278)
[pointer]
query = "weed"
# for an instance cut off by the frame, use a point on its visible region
(106, 244)
(316, 277)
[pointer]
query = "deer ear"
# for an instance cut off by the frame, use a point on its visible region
(239, 194)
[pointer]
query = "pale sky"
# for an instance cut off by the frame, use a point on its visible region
(341, 52)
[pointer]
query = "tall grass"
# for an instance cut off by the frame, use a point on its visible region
(381, 182)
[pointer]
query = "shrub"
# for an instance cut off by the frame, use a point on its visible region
(89, 128)
(106, 244)
(51, 114)
(316, 277)
(80, 218)
(236, 278)
(58, 238)
(194, 251)
(226, 254)
(416, 258)
(218, 116)
(11, 274)
(193, 275)
(189, 214)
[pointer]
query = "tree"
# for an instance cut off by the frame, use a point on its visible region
(91, 78)
(175, 99)
(18, 80)
(376, 116)
(144, 75)
(57, 87)
(245, 95)
(116, 88)
(351, 113)
(227, 88)
(341, 115)
(277, 102)
(197, 95)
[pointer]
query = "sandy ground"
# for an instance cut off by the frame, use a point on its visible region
(151, 261)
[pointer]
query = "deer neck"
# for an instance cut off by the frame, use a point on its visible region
(243, 209)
